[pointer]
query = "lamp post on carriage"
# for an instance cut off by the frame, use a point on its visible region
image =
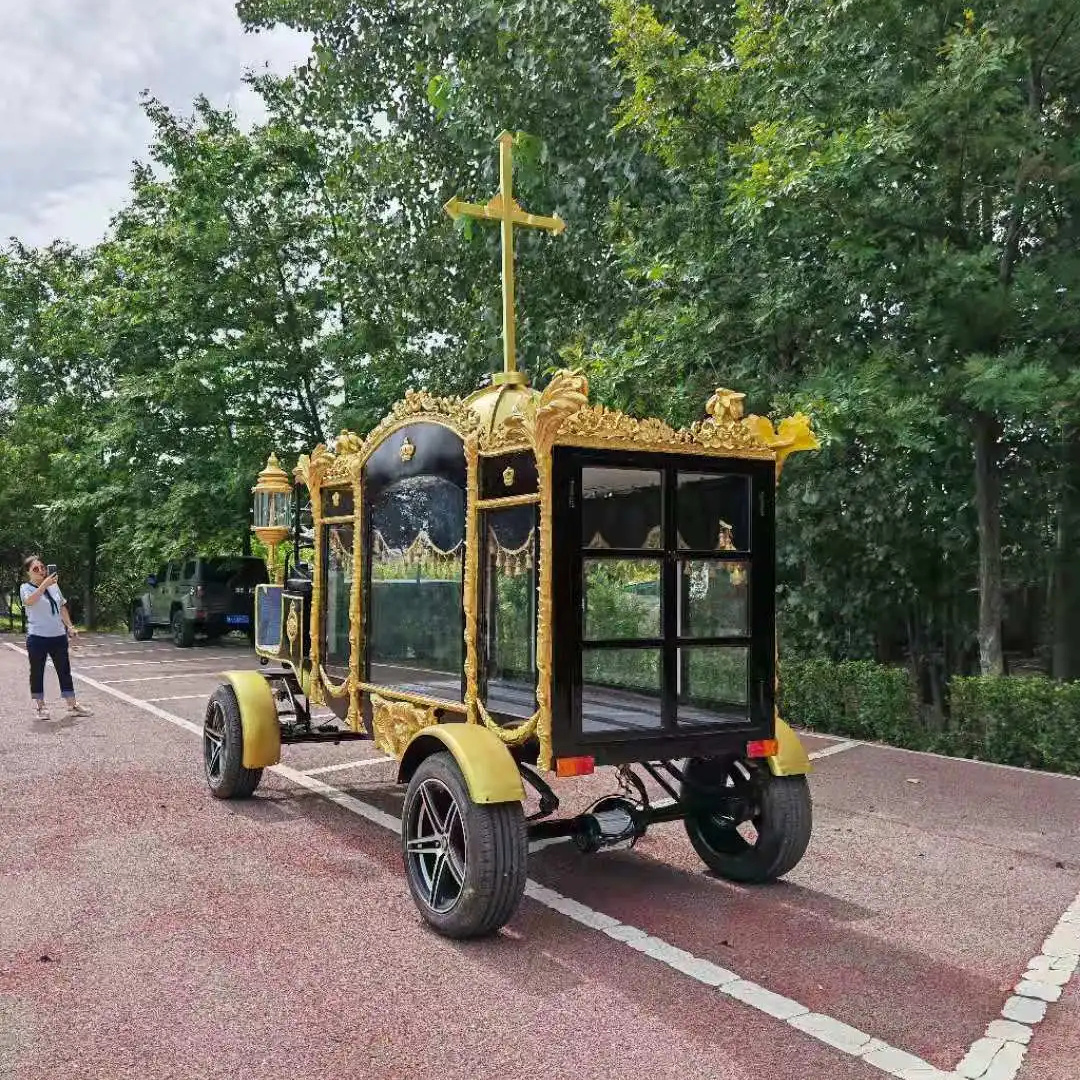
(273, 495)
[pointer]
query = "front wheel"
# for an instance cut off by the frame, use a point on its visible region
(746, 824)
(141, 627)
(465, 863)
(223, 748)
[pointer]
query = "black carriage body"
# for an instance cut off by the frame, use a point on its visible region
(686, 677)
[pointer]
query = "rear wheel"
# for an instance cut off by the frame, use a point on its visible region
(746, 824)
(465, 863)
(141, 627)
(183, 630)
(223, 748)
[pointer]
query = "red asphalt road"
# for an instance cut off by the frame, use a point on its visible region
(151, 931)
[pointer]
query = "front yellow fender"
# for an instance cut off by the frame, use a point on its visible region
(792, 758)
(258, 718)
(491, 775)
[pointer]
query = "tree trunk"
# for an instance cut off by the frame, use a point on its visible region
(90, 598)
(1065, 598)
(987, 432)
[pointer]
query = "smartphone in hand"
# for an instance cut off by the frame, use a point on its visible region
(50, 569)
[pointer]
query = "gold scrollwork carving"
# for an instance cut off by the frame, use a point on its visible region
(355, 718)
(396, 722)
(470, 583)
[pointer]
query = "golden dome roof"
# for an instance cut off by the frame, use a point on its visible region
(493, 404)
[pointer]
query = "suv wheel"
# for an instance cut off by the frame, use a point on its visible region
(183, 630)
(141, 627)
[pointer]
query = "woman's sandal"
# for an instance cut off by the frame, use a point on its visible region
(42, 714)
(80, 710)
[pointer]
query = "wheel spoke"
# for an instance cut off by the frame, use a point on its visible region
(436, 879)
(456, 866)
(453, 817)
(429, 809)
(424, 845)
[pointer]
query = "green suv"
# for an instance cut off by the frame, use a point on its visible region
(210, 596)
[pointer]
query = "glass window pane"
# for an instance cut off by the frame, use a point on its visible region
(714, 598)
(713, 684)
(622, 598)
(414, 632)
(339, 577)
(621, 508)
(620, 690)
(510, 610)
(713, 512)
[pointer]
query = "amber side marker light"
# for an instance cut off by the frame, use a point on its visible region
(575, 766)
(762, 748)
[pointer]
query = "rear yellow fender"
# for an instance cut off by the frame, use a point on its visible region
(792, 758)
(491, 775)
(258, 718)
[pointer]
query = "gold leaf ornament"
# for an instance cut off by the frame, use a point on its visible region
(791, 435)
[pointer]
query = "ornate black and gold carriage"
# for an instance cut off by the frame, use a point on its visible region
(521, 586)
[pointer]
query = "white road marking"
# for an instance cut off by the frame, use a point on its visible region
(998, 1054)
(342, 765)
(178, 697)
(144, 662)
(161, 678)
(839, 748)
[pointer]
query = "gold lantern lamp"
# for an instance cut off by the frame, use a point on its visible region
(273, 495)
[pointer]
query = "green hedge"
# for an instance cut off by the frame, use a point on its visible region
(1029, 721)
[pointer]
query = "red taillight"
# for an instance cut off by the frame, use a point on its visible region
(574, 766)
(762, 748)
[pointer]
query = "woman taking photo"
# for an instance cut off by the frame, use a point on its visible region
(48, 627)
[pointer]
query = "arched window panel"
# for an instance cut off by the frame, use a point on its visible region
(416, 544)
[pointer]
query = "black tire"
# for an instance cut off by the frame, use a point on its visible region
(779, 809)
(141, 627)
(183, 630)
(475, 885)
(223, 748)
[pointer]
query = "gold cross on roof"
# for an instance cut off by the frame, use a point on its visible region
(502, 207)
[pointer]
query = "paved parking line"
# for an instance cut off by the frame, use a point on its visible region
(145, 661)
(178, 697)
(341, 765)
(839, 748)
(841, 1037)
(159, 678)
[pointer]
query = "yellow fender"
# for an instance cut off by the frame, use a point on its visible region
(258, 718)
(490, 772)
(792, 758)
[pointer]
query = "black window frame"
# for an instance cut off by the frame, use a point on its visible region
(569, 644)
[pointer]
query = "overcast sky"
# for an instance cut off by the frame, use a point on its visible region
(70, 76)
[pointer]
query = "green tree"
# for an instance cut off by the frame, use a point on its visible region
(877, 191)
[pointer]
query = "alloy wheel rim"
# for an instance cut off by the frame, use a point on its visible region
(435, 846)
(214, 741)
